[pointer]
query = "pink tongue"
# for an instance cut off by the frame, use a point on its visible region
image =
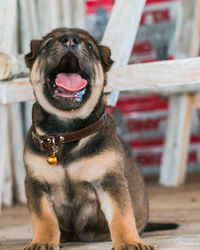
(70, 82)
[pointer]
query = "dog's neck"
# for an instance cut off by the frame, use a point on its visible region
(46, 123)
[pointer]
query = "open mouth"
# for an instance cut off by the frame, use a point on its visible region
(67, 79)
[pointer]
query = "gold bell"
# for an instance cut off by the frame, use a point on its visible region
(52, 159)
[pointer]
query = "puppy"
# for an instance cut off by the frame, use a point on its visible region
(81, 182)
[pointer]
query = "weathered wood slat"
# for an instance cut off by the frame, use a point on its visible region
(3, 148)
(120, 34)
(8, 31)
(195, 43)
(174, 162)
(7, 195)
(165, 78)
(196, 101)
(16, 91)
(78, 14)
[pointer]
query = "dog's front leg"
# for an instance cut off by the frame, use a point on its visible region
(44, 221)
(115, 202)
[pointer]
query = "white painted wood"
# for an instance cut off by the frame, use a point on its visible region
(8, 44)
(7, 23)
(120, 34)
(166, 77)
(48, 16)
(174, 162)
(196, 101)
(3, 148)
(28, 24)
(138, 78)
(195, 42)
(66, 13)
(29, 30)
(78, 14)
(122, 28)
(182, 47)
(17, 146)
(7, 195)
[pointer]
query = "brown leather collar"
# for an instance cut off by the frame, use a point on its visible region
(50, 142)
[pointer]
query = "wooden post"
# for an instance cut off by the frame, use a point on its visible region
(121, 32)
(66, 13)
(78, 14)
(195, 42)
(48, 15)
(8, 30)
(7, 196)
(3, 148)
(174, 162)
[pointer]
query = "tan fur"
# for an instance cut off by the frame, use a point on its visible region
(93, 168)
(82, 143)
(38, 167)
(46, 228)
(122, 225)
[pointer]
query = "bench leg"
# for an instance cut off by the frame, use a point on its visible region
(3, 149)
(174, 161)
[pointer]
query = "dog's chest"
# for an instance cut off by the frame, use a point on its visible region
(85, 169)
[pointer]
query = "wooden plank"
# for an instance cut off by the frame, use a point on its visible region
(3, 148)
(78, 14)
(16, 91)
(17, 147)
(48, 15)
(66, 13)
(174, 162)
(165, 78)
(195, 42)
(196, 101)
(121, 32)
(184, 36)
(122, 28)
(8, 44)
(28, 24)
(7, 195)
(7, 23)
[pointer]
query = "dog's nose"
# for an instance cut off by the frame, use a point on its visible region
(70, 40)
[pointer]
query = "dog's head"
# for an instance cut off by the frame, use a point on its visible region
(68, 72)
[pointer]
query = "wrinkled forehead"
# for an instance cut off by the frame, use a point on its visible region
(62, 31)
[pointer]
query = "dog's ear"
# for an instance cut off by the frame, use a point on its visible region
(31, 56)
(106, 60)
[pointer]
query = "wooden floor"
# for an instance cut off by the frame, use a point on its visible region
(180, 205)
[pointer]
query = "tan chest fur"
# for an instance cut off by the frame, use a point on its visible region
(38, 168)
(93, 168)
(88, 169)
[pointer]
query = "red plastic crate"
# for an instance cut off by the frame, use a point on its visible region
(148, 153)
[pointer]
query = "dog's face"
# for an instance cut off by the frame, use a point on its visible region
(68, 71)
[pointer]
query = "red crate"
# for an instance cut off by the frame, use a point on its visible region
(148, 153)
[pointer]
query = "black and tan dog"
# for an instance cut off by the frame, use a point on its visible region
(81, 182)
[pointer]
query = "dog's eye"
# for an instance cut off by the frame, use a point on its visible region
(90, 46)
(49, 43)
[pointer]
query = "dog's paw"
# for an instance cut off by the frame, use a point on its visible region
(41, 246)
(134, 246)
